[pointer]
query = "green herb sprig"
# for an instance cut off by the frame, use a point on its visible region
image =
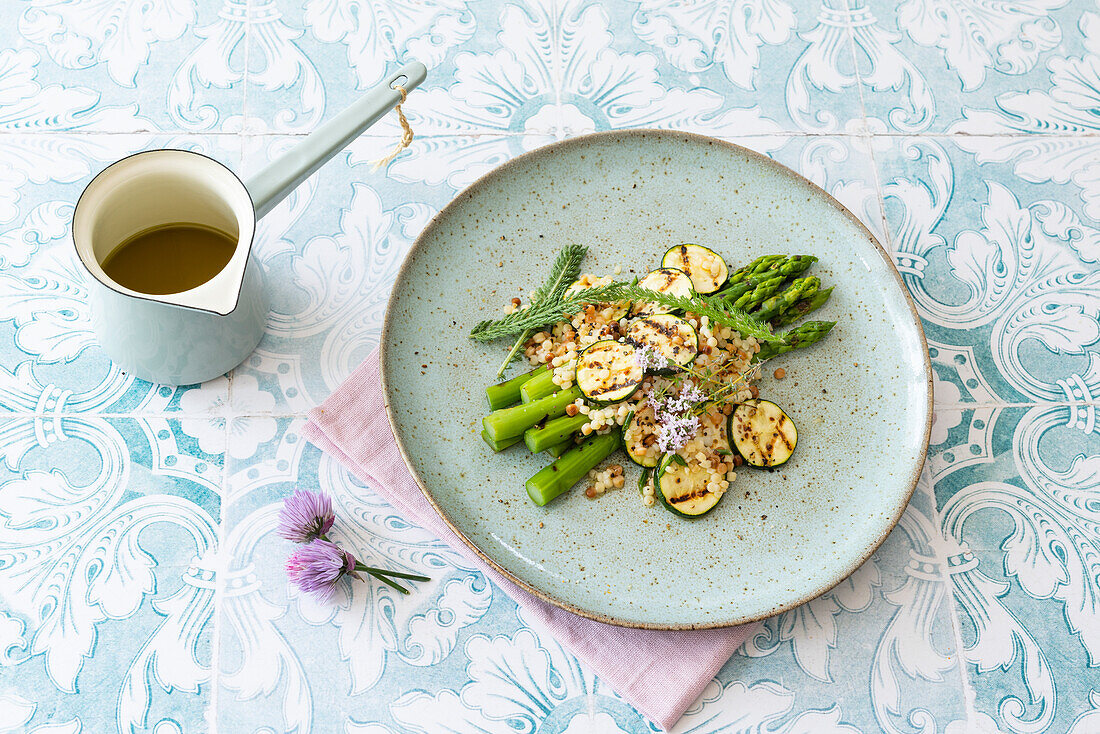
(550, 311)
(544, 308)
(713, 382)
(716, 309)
(553, 302)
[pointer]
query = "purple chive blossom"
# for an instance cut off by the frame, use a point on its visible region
(648, 359)
(317, 566)
(305, 516)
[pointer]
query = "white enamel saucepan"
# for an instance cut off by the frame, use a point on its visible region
(195, 335)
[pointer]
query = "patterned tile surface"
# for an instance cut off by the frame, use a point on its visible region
(141, 587)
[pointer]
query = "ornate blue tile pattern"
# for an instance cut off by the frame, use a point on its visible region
(141, 585)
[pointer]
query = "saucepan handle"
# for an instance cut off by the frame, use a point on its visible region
(280, 177)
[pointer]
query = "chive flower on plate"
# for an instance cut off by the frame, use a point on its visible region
(306, 516)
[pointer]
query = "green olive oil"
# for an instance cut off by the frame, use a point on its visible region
(169, 258)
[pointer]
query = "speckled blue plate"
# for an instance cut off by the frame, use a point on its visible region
(861, 399)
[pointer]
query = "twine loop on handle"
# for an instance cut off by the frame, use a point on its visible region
(406, 132)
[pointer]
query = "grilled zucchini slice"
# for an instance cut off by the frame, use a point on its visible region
(682, 487)
(705, 267)
(618, 310)
(762, 433)
(662, 280)
(608, 372)
(639, 433)
(669, 336)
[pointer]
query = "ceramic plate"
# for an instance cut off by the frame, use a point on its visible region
(861, 399)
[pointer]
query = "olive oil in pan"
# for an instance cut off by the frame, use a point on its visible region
(169, 258)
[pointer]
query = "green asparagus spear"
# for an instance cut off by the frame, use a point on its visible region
(794, 265)
(511, 422)
(507, 393)
(539, 386)
(571, 467)
(735, 291)
(803, 307)
(758, 265)
(752, 300)
(798, 289)
(551, 433)
(561, 448)
(768, 265)
(498, 445)
(800, 336)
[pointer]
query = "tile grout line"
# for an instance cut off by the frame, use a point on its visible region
(855, 68)
(966, 687)
(220, 565)
(969, 694)
(163, 416)
(1081, 136)
(242, 133)
(558, 71)
(969, 711)
(1003, 404)
(870, 139)
(219, 584)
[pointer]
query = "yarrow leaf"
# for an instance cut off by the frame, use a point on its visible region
(566, 268)
(715, 309)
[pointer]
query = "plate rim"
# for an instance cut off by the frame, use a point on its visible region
(550, 149)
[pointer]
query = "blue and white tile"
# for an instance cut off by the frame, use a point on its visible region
(493, 66)
(723, 68)
(49, 359)
(107, 568)
(1066, 165)
(124, 67)
(936, 65)
(289, 663)
(1061, 98)
(1003, 271)
(33, 103)
(872, 652)
(1024, 522)
(562, 67)
(309, 61)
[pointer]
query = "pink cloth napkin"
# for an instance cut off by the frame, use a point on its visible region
(660, 673)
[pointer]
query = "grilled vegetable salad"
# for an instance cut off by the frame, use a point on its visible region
(662, 367)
